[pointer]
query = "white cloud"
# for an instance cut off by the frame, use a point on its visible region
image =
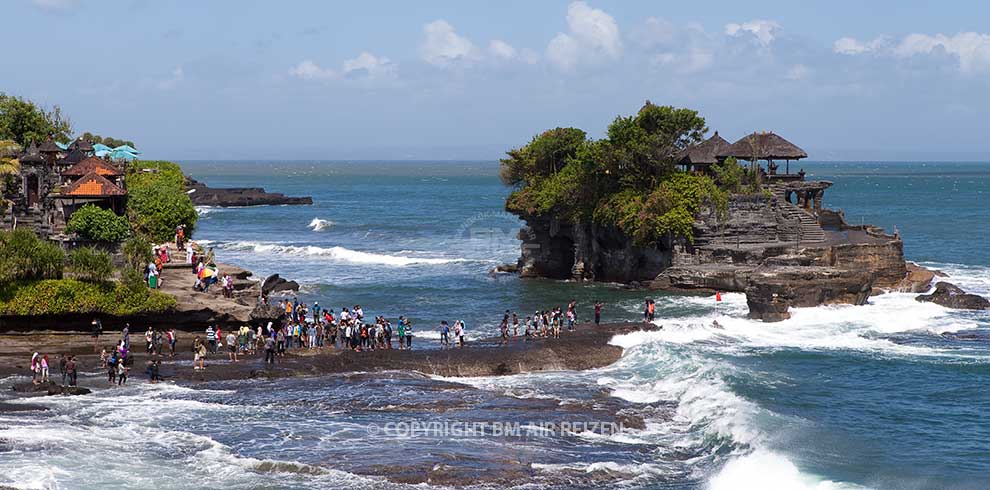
(442, 46)
(364, 66)
(501, 50)
(765, 31)
(592, 34)
(309, 70)
(850, 46)
(693, 60)
(971, 49)
(177, 76)
(370, 65)
(798, 72)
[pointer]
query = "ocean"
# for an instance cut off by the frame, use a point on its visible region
(890, 395)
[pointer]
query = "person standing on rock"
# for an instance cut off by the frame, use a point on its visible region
(35, 367)
(598, 313)
(62, 361)
(409, 334)
(97, 329)
(170, 336)
(122, 374)
(44, 369)
(269, 351)
(211, 339)
(444, 334)
(70, 367)
(199, 354)
(515, 324)
(231, 347)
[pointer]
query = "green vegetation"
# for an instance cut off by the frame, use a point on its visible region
(137, 252)
(24, 121)
(111, 142)
(96, 223)
(56, 297)
(31, 281)
(157, 202)
(90, 264)
(24, 256)
(628, 180)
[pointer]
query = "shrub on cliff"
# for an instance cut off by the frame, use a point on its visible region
(628, 180)
(25, 256)
(58, 297)
(137, 252)
(90, 264)
(157, 201)
(96, 223)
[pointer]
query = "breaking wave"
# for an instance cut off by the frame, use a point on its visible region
(320, 224)
(339, 254)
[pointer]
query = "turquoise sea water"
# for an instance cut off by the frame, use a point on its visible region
(891, 395)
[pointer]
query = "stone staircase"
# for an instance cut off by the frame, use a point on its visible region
(808, 230)
(32, 219)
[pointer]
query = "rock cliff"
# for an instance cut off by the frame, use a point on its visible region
(780, 253)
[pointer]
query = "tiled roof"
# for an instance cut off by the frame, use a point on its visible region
(93, 185)
(92, 164)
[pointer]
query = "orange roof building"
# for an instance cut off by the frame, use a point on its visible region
(93, 185)
(95, 165)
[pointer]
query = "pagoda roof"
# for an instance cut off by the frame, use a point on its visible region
(32, 155)
(73, 157)
(764, 146)
(81, 144)
(93, 185)
(49, 146)
(92, 164)
(706, 152)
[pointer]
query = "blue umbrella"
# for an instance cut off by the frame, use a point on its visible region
(119, 154)
(128, 149)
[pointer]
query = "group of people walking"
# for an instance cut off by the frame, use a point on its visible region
(40, 369)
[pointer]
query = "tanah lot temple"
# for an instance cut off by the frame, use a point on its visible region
(57, 179)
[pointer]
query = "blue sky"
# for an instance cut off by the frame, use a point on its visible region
(457, 79)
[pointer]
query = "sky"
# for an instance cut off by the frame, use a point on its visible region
(845, 80)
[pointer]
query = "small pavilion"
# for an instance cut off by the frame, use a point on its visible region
(701, 157)
(770, 147)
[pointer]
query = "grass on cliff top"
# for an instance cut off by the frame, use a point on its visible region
(63, 296)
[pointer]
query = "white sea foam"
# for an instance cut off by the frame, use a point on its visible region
(205, 210)
(767, 470)
(320, 224)
(340, 254)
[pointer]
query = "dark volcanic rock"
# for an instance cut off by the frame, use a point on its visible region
(586, 252)
(951, 296)
(239, 196)
(50, 389)
(276, 284)
(772, 290)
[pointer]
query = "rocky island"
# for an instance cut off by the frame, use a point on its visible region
(203, 195)
(654, 205)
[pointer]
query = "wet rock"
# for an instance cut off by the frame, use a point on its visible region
(505, 269)
(19, 407)
(917, 279)
(773, 290)
(277, 284)
(50, 388)
(951, 296)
